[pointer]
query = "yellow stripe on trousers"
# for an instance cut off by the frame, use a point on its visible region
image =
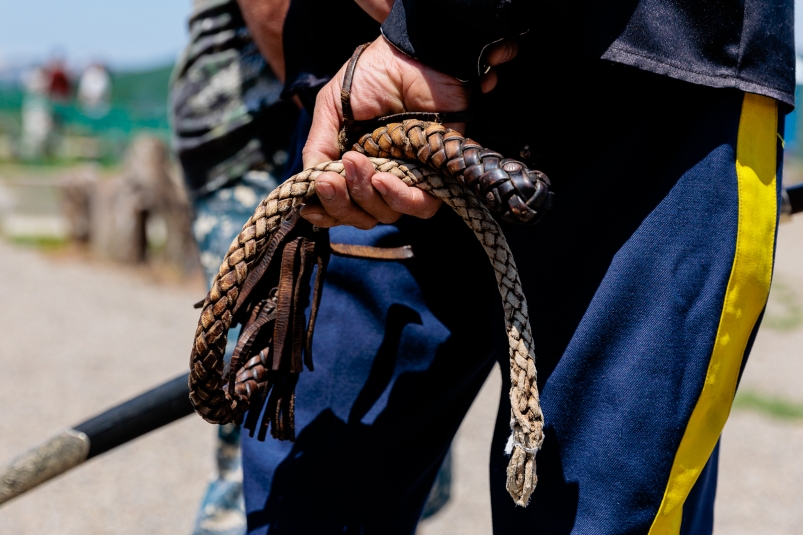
(745, 297)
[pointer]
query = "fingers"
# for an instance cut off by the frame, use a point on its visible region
(336, 206)
(501, 52)
(359, 172)
(497, 54)
(404, 199)
(362, 198)
(313, 212)
(382, 195)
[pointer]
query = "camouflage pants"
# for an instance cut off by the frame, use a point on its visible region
(221, 92)
(219, 218)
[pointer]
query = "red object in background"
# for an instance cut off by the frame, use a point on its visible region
(58, 85)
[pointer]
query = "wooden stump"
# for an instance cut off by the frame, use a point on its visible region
(144, 213)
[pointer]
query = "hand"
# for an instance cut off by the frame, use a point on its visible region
(385, 82)
(364, 197)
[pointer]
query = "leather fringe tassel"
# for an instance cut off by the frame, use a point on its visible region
(276, 339)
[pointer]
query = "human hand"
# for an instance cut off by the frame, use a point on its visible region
(384, 82)
(364, 197)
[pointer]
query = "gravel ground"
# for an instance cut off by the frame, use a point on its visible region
(78, 337)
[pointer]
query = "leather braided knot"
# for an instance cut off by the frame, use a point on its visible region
(456, 170)
(512, 192)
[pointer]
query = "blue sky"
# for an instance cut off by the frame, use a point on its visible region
(124, 33)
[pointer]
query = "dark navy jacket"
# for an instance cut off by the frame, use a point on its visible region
(742, 44)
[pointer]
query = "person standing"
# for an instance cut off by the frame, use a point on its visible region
(646, 283)
(94, 90)
(231, 133)
(660, 128)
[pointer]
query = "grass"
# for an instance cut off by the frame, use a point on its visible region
(46, 243)
(774, 407)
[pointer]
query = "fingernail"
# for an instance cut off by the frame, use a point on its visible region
(351, 170)
(326, 191)
(312, 217)
(379, 186)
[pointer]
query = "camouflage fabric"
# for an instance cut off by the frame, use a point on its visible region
(222, 510)
(221, 90)
(219, 218)
(223, 98)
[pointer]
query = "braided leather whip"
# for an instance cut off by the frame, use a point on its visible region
(458, 171)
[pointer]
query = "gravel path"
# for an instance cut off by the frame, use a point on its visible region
(761, 464)
(80, 337)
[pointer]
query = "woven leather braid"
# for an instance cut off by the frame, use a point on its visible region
(512, 192)
(432, 144)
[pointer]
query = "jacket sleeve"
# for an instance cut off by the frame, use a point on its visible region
(451, 35)
(315, 45)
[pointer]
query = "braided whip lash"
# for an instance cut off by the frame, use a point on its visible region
(456, 170)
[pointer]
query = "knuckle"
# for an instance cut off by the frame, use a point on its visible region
(366, 223)
(396, 204)
(387, 219)
(398, 199)
(360, 193)
(338, 211)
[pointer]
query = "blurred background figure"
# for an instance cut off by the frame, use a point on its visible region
(38, 124)
(95, 90)
(45, 87)
(59, 87)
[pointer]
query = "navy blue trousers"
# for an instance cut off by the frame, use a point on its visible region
(645, 287)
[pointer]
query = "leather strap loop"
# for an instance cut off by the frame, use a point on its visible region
(353, 129)
(345, 97)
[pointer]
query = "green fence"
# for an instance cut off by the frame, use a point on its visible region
(138, 103)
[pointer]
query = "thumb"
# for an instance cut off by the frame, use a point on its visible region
(322, 144)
